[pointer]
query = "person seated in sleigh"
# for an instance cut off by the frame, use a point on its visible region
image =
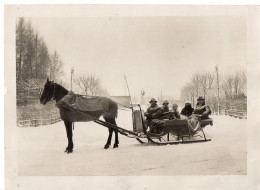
(202, 109)
(187, 110)
(151, 112)
(159, 117)
(175, 113)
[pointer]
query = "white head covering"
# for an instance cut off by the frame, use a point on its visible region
(187, 102)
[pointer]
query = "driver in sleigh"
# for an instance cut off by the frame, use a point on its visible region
(155, 115)
(150, 113)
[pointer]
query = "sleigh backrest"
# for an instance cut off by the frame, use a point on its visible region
(137, 120)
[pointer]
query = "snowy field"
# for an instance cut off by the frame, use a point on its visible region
(41, 152)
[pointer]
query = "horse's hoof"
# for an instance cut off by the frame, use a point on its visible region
(106, 146)
(68, 151)
(115, 146)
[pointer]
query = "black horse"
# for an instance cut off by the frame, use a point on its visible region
(54, 91)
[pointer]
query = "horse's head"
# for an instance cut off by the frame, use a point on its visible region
(48, 92)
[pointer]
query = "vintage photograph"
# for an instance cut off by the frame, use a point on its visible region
(131, 96)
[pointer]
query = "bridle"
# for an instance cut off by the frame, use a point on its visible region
(51, 91)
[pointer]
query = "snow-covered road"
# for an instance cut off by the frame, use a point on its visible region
(41, 152)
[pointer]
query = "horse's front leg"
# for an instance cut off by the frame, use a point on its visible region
(68, 126)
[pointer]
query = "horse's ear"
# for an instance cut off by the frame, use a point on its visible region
(47, 79)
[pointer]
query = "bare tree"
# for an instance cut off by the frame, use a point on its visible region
(82, 82)
(90, 84)
(234, 85)
(207, 81)
(94, 84)
(227, 85)
(195, 80)
(232, 89)
(239, 83)
(243, 81)
(187, 91)
(56, 66)
(20, 45)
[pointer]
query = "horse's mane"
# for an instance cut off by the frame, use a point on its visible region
(61, 87)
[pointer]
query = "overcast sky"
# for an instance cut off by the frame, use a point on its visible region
(155, 53)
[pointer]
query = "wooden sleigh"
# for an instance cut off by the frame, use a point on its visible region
(178, 131)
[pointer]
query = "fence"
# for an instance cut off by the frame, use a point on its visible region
(236, 113)
(38, 122)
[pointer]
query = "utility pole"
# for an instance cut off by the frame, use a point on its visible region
(71, 73)
(218, 87)
(142, 96)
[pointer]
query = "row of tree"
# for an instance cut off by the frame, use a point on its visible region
(34, 62)
(229, 90)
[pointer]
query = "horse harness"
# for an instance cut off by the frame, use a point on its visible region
(54, 87)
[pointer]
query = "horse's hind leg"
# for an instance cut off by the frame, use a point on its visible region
(109, 138)
(112, 121)
(116, 139)
(68, 126)
(116, 135)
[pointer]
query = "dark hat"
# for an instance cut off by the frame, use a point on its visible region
(152, 100)
(200, 98)
(165, 102)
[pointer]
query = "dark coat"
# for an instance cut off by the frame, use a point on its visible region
(159, 114)
(150, 111)
(203, 110)
(187, 111)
